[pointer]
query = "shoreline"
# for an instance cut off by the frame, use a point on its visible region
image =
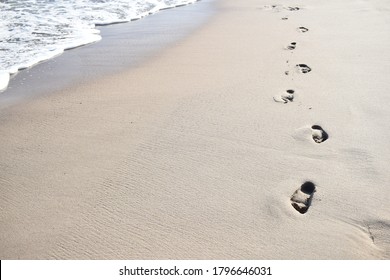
(145, 38)
(201, 152)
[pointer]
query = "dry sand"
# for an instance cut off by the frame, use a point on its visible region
(188, 156)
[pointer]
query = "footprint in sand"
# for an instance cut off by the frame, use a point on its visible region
(302, 29)
(279, 8)
(275, 8)
(319, 135)
(286, 97)
(292, 8)
(292, 46)
(303, 68)
(301, 198)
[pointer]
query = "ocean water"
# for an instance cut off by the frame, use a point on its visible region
(32, 31)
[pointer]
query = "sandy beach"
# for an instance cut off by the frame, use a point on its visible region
(262, 134)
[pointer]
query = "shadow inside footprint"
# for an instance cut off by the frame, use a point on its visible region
(286, 97)
(292, 46)
(301, 198)
(319, 135)
(302, 29)
(303, 68)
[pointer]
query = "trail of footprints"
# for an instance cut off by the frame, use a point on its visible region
(301, 199)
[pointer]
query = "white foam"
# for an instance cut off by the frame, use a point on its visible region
(32, 31)
(4, 79)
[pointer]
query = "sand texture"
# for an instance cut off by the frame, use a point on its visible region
(233, 143)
